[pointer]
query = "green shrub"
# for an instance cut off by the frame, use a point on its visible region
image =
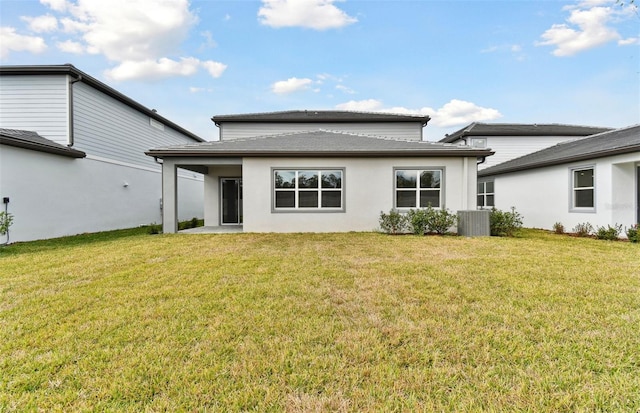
(417, 221)
(6, 219)
(440, 220)
(155, 229)
(583, 229)
(558, 228)
(504, 223)
(632, 233)
(610, 233)
(393, 222)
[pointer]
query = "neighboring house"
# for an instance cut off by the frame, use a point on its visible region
(512, 140)
(595, 179)
(320, 171)
(72, 155)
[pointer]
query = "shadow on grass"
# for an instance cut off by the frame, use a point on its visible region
(71, 241)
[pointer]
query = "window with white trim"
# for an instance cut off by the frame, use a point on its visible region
(308, 189)
(486, 194)
(582, 188)
(418, 188)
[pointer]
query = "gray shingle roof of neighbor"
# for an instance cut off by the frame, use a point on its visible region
(615, 142)
(310, 116)
(522, 129)
(318, 143)
(69, 69)
(31, 140)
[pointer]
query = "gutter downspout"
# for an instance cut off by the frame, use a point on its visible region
(465, 182)
(71, 130)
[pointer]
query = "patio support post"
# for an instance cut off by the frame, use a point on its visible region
(169, 196)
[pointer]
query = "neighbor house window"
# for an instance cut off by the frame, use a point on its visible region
(583, 188)
(308, 189)
(479, 142)
(418, 188)
(486, 196)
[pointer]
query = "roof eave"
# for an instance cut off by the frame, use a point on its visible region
(575, 158)
(297, 154)
(68, 152)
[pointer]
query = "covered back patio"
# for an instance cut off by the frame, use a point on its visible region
(223, 197)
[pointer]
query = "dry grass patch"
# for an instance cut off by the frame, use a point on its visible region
(319, 322)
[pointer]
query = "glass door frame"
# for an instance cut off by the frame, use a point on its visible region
(238, 200)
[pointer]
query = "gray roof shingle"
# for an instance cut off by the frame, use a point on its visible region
(521, 129)
(318, 143)
(618, 141)
(310, 116)
(31, 140)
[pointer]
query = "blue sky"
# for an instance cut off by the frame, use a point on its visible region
(572, 62)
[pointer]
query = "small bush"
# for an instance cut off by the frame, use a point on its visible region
(632, 233)
(393, 222)
(558, 228)
(155, 229)
(6, 219)
(583, 229)
(417, 221)
(440, 220)
(504, 223)
(610, 233)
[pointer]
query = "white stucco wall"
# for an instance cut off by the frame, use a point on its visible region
(543, 195)
(368, 185)
(53, 196)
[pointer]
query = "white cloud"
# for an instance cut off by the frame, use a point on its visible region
(153, 70)
(41, 24)
(215, 69)
(629, 41)
(455, 112)
(131, 30)
(291, 85)
(142, 38)
(588, 26)
(57, 5)
(209, 42)
(12, 41)
(70, 46)
(345, 89)
(367, 105)
(313, 14)
(460, 112)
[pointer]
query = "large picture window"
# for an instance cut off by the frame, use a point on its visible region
(583, 189)
(308, 189)
(486, 194)
(418, 188)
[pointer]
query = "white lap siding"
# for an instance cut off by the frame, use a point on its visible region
(36, 103)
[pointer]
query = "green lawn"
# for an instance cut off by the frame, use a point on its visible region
(126, 321)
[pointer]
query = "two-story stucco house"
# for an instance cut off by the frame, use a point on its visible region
(319, 171)
(72, 155)
(595, 179)
(512, 140)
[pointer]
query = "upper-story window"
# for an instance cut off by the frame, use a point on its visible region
(478, 142)
(418, 188)
(308, 189)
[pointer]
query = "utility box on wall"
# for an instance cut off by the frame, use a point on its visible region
(474, 223)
